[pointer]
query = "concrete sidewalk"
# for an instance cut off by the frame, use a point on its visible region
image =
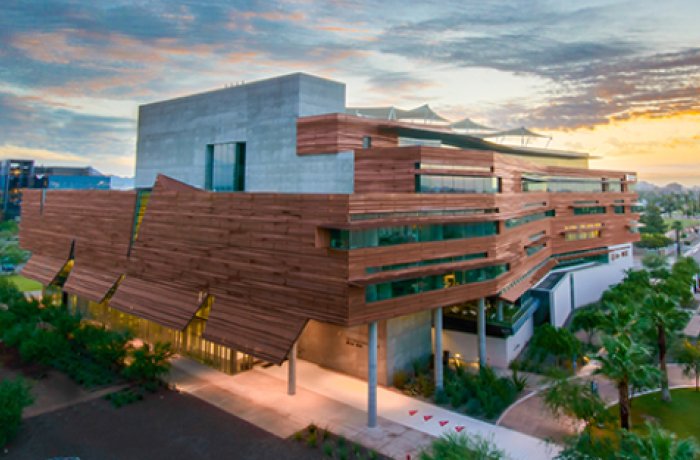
(338, 402)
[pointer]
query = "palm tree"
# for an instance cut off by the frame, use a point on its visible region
(677, 226)
(567, 397)
(689, 357)
(662, 315)
(627, 364)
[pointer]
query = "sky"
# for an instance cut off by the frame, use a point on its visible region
(617, 79)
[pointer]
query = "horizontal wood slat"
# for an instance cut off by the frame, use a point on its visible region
(163, 303)
(43, 268)
(89, 282)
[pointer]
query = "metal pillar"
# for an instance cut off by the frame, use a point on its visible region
(500, 310)
(372, 377)
(292, 371)
(437, 320)
(481, 330)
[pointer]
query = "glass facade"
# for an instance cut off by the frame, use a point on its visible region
(226, 167)
(517, 221)
(584, 210)
(428, 183)
(388, 236)
(188, 342)
(533, 183)
(534, 249)
(400, 288)
(421, 263)
(427, 213)
(502, 318)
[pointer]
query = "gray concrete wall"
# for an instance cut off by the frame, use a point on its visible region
(401, 341)
(342, 348)
(173, 135)
(408, 338)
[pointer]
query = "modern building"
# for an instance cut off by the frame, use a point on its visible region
(71, 178)
(269, 223)
(14, 176)
(17, 175)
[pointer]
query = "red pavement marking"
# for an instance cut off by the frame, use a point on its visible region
(427, 417)
(459, 429)
(412, 412)
(443, 422)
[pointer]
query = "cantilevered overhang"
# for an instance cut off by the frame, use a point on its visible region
(266, 333)
(43, 268)
(168, 304)
(90, 283)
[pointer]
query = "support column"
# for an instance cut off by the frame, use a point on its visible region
(372, 376)
(292, 371)
(500, 310)
(481, 330)
(437, 351)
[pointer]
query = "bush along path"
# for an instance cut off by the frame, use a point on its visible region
(91, 355)
(479, 393)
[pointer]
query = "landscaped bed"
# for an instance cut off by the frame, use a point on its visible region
(334, 446)
(680, 416)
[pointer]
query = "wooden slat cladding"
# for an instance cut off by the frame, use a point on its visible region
(333, 133)
(168, 304)
(265, 333)
(90, 283)
(43, 268)
(98, 221)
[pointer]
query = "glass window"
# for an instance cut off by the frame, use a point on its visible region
(431, 183)
(400, 288)
(517, 221)
(589, 210)
(420, 263)
(619, 209)
(226, 167)
(388, 236)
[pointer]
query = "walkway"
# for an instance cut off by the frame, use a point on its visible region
(529, 415)
(338, 402)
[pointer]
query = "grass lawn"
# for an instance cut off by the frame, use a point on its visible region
(25, 284)
(685, 222)
(680, 417)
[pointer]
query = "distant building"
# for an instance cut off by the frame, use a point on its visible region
(71, 178)
(16, 175)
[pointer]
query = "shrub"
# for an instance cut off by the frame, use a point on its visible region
(328, 449)
(441, 397)
(14, 397)
(149, 365)
(311, 439)
(124, 397)
(458, 446)
(400, 379)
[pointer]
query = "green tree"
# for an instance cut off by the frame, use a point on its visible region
(688, 356)
(677, 226)
(566, 397)
(661, 316)
(14, 397)
(458, 446)
(587, 320)
(652, 220)
(627, 364)
(558, 342)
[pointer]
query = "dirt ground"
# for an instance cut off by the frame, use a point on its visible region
(168, 426)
